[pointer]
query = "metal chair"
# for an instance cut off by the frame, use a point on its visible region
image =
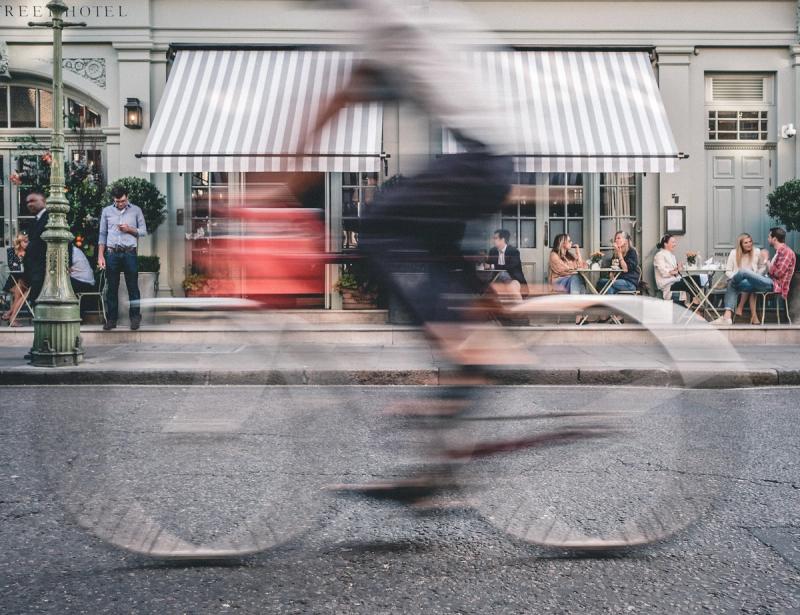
(638, 286)
(100, 293)
(778, 301)
(25, 303)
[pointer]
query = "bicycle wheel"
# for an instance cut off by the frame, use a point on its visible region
(615, 468)
(195, 476)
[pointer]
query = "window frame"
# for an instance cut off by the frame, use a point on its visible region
(69, 94)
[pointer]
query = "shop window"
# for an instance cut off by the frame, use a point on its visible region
(738, 125)
(565, 206)
(618, 205)
(358, 191)
(519, 212)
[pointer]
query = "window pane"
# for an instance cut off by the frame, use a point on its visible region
(91, 119)
(763, 136)
(617, 201)
(350, 179)
(575, 210)
(557, 179)
(748, 125)
(712, 137)
(764, 115)
(727, 114)
(763, 125)
(727, 125)
(3, 108)
(528, 232)
(749, 136)
(511, 227)
(527, 211)
(712, 114)
(575, 231)
(711, 125)
(749, 115)
(23, 107)
(727, 135)
(556, 228)
(556, 210)
(607, 229)
(528, 179)
(45, 109)
(575, 195)
(574, 179)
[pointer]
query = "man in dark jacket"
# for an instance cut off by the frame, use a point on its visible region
(507, 258)
(35, 260)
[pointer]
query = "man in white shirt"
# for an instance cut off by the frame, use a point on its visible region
(80, 272)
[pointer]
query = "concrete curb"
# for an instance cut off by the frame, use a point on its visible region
(30, 376)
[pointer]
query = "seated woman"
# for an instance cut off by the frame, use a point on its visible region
(668, 270)
(563, 265)
(15, 255)
(624, 256)
(746, 256)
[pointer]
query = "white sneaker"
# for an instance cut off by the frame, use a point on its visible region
(722, 321)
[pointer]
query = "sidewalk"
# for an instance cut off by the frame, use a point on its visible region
(329, 364)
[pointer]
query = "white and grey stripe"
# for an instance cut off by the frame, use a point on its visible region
(580, 111)
(248, 110)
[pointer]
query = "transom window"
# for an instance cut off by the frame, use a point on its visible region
(31, 107)
(738, 125)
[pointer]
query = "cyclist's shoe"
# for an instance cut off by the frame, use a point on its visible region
(412, 492)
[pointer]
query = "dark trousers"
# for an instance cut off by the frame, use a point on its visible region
(125, 263)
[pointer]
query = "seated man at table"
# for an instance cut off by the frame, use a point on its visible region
(506, 258)
(780, 271)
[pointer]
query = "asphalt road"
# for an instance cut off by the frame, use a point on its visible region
(242, 467)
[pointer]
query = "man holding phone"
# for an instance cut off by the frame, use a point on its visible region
(121, 226)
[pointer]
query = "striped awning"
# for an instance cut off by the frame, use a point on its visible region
(580, 111)
(247, 110)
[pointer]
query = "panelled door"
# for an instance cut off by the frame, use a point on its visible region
(739, 181)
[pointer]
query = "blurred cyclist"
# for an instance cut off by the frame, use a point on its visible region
(419, 222)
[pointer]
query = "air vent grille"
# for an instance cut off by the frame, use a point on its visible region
(738, 88)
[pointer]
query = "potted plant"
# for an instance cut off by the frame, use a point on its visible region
(783, 205)
(691, 258)
(195, 285)
(146, 196)
(595, 258)
(357, 290)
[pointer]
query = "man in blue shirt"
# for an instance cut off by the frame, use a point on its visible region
(121, 226)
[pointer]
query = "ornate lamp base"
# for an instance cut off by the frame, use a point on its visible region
(56, 337)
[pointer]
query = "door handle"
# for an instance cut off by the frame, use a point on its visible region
(546, 234)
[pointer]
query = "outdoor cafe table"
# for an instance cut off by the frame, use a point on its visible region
(610, 274)
(716, 280)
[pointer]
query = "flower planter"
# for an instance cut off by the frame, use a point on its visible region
(355, 300)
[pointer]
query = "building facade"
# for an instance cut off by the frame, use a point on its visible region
(727, 72)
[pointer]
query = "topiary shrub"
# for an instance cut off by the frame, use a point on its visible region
(145, 195)
(784, 205)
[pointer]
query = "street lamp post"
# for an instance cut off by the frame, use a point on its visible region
(57, 320)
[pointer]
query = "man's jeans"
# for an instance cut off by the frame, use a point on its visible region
(745, 281)
(116, 263)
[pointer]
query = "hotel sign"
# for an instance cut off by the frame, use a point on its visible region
(17, 13)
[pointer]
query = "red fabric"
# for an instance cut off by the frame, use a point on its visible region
(782, 270)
